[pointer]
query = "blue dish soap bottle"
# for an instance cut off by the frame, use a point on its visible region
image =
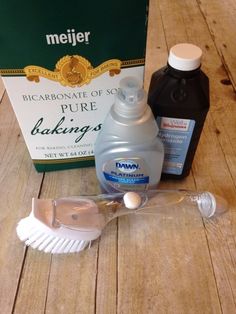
(179, 98)
(128, 153)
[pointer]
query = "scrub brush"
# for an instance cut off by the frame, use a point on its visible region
(68, 225)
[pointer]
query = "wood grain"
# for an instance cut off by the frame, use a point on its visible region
(141, 264)
(18, 184)
(220, 18)
(216, 151)
(2, 89)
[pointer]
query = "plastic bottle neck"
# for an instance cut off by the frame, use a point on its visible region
(181, 74)
(131, 99)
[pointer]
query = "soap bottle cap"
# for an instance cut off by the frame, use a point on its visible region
(185, 57)
(131, 99)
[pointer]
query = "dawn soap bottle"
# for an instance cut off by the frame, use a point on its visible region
(128, 152)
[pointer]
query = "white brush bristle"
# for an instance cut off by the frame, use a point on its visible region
(38, 236)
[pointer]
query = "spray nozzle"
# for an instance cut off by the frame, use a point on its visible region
(131, 98)
(130, 90)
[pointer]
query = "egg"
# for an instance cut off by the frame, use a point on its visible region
(132, 200)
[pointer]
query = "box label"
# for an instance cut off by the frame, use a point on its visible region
(176, 136)
(60, 122)
(62, 68)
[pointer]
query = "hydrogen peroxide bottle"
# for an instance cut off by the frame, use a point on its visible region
(128, 153)
(179, 98)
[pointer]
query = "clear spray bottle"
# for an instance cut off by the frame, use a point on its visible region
(128, 153)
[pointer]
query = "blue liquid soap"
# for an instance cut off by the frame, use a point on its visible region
(128, 153)
(179, 98)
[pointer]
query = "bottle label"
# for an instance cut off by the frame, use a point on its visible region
(176, 136)
(126, 174)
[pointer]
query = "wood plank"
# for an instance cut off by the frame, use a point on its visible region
(220, 18)
(72, 283)
(158, 253)
(32, 291)
(220, 232)
(223, 96)
(68, 284)
(74, 275)
(96, 268)
(164, 266)
(18, 183)
(214, 158)
(106, 290)
(2, 89)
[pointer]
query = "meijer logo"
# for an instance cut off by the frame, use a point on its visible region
(127, 166)
(71, 37)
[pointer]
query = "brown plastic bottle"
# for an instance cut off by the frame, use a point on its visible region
(179, 98)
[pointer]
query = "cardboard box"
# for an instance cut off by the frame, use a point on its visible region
(61, 63)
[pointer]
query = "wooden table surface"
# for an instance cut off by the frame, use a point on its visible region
(140, 265)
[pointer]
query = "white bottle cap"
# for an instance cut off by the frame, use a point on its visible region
(185, 57)
(131, 99)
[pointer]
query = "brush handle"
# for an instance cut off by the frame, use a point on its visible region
(159, 201)
(94, 212)
(163, 201)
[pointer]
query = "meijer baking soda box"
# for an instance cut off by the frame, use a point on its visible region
(61, 64)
